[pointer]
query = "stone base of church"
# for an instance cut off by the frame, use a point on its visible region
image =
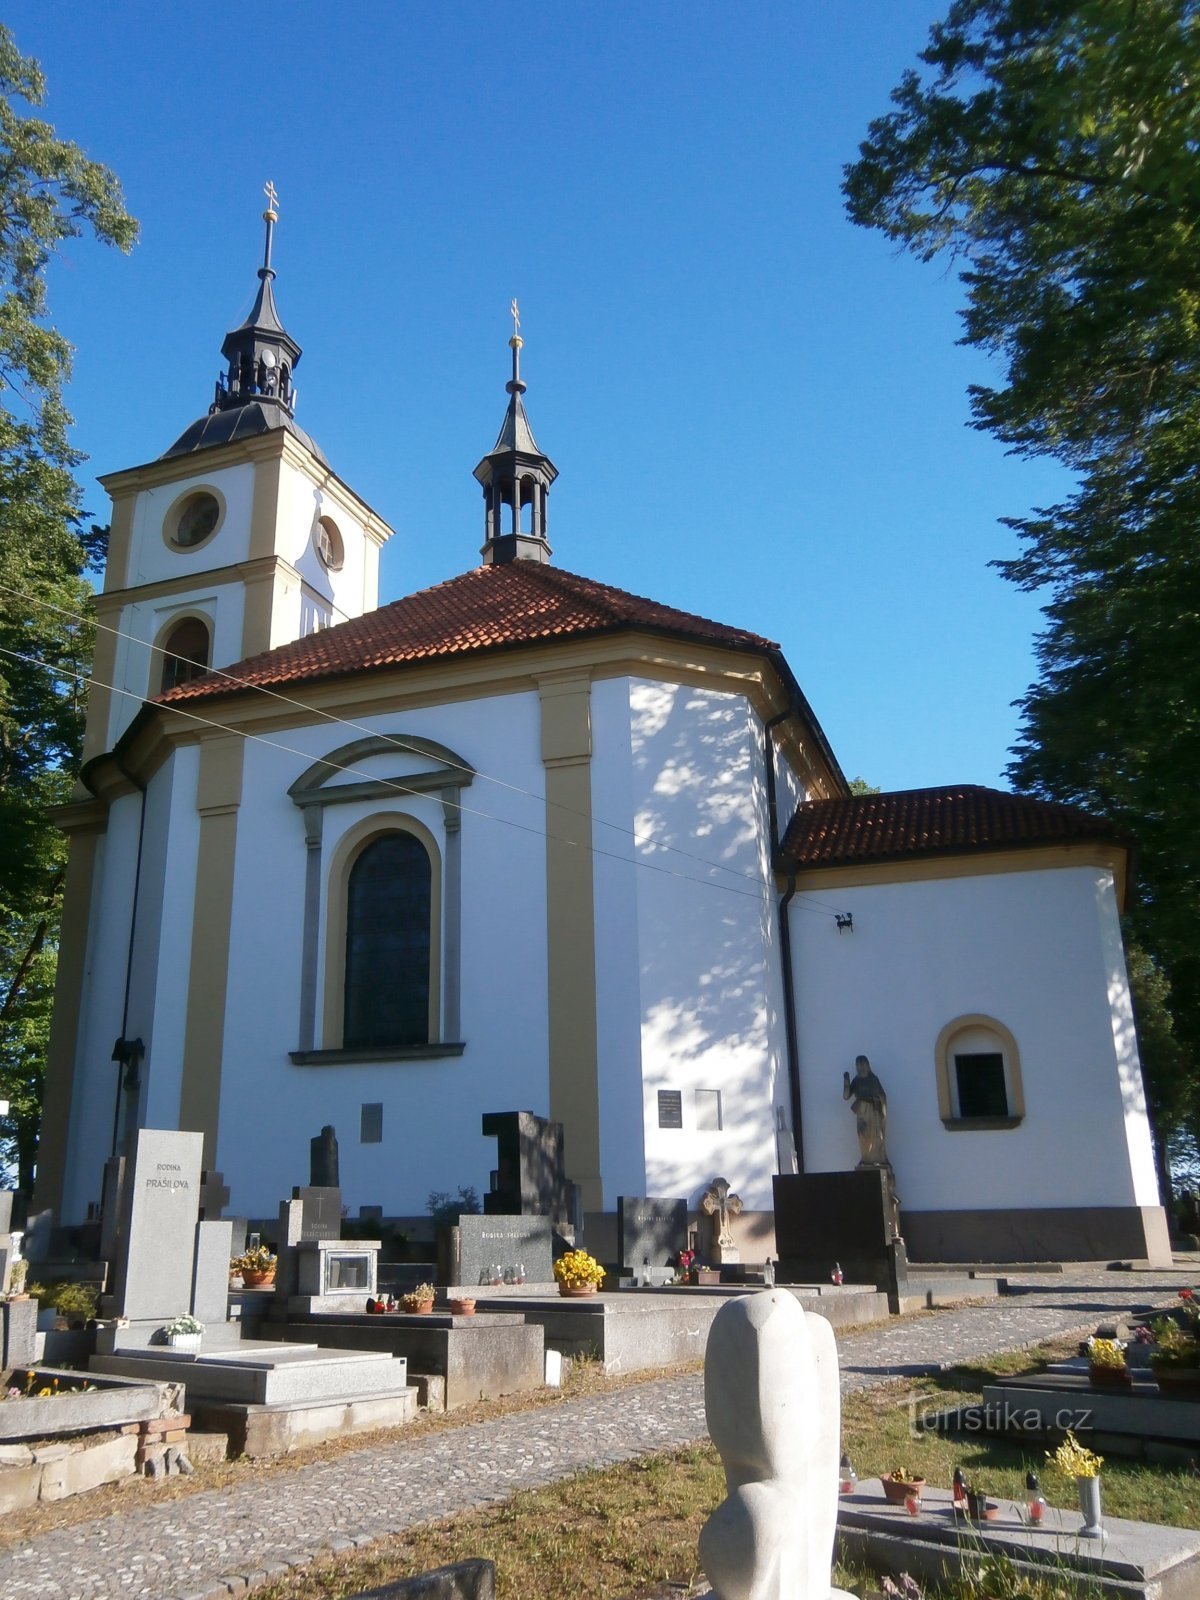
(1069, 1233)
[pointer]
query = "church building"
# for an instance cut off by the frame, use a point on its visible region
(525, 841)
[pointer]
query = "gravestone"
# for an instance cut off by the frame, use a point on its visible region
(530, 1177)
(214, 1196)
(321, 1212)
(18, 1333)
(110, 1210)
(323, 1160)
(160, 1207)
(650, 1232)
(478, 1243)
(210, 1273)
(6, 1204)
(7, 1256)
(773, 1410)
(845, 1217)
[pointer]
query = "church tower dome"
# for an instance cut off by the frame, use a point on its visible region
(516, 479)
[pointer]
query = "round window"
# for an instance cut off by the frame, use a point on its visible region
(329, 543)
(195, 519)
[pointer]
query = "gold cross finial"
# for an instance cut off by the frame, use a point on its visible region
(272, 197)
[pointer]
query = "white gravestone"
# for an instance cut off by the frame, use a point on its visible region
(160, 1206)
(773, 1408)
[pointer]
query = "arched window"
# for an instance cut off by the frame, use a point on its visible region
(388, 919)
(979, 1075)
(186, 648)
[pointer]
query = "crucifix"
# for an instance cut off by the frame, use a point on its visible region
(272, 197)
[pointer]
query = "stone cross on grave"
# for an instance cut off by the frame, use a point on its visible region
(719, 1203)
(214, 1195)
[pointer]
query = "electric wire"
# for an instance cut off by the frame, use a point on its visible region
(763, 891)
(811, 904)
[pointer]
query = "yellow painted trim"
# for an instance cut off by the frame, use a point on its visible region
(942, 1051)
(566, 744)
(64, 1027)
(218, 797)
(980, 863)
(172, 516)
(100, 695)
(258, 604)
(239, 572)
(264, 508)
(120, 541)
(336, 890)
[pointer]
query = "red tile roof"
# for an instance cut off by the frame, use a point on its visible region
(489, 608)
(907, 824)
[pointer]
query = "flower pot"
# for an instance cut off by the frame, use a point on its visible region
(184, 1341)
(897, 1490)
(257, 1280)
(462, 1307)
(1181, 1383)
(980, 1508)
(1110, 1377)
(576, 1291)
(417, 1308)
(1089, 1504)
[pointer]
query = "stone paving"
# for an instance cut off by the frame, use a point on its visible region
(218, 1543)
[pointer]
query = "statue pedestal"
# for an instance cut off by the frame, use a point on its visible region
(847, 1217)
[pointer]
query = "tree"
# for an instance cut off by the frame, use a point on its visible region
(1050, 148)
(49, 193)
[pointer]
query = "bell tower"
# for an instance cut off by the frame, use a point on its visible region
(516, 479)
(239, 538)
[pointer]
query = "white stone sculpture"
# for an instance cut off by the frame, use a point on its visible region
(773, 1408)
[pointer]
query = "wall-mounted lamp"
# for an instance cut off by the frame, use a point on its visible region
(845, 921)
(128, 1053)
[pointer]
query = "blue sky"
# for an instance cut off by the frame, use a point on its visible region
(758, 411)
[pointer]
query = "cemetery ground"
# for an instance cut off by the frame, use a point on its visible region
(597, 1491)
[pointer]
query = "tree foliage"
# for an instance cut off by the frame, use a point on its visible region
(1051, 149)
(50, 193)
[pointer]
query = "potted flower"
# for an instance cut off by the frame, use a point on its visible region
(1106, 1363)
(255, 1267)
(418, 1301)
(899, 1484)
(1175, 1360)
(1074, 1460)
(577, 1274)
(183, 1333)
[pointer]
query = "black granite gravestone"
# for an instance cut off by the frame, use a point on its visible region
(530, 1177)
(650, 1232)
(843, 1217)
(323, 1160)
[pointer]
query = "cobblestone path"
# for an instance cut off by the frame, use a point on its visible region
(217, 1543)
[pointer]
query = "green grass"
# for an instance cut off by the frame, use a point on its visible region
(629, 1530)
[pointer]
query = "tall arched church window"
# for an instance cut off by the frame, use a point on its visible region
(186, 652)
(388, 919)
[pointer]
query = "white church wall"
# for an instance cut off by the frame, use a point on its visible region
(101, 1005)
(1129, 1067)
(432, 1107)
(618, 991)
(176, 886)
(711, 1017)
(152, 559)
(1031, 949)
(334, 594)
(789, 790)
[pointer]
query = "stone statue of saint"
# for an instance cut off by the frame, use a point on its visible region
(870, 1112)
